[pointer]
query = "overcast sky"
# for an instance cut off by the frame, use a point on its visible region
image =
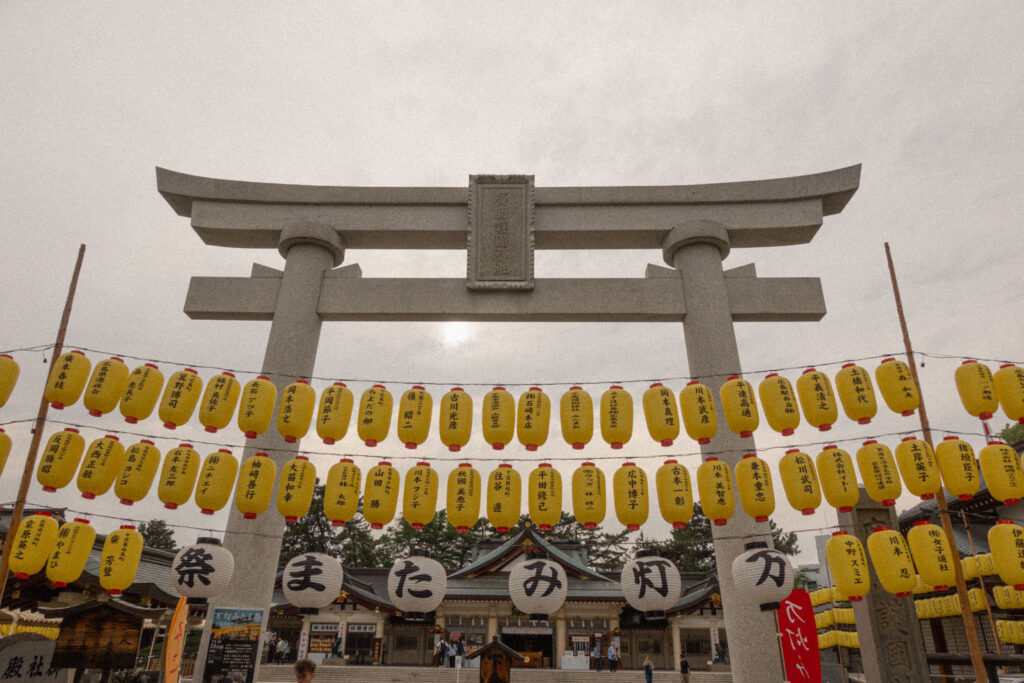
(927, 96)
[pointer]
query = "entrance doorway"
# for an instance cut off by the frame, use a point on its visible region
(536, 646)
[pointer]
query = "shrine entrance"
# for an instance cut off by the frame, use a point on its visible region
(536, 647)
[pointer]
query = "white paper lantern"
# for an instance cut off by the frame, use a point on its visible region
(538, 587)
(651, 584)
(417, 584)
(762, 576)
(312, 580)
(202, 570)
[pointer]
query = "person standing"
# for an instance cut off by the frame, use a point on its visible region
(684, 669)
(460, 654)
(648, 669)
(442, 652)
(613, 658)
(596, 655)
(451, 654)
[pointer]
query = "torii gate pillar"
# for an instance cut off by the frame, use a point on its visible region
(696, 250)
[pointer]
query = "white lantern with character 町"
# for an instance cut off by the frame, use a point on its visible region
(417, 584)
(650, 584)
(202, 570)
(312, 580)
(762, 575)
(538, 587)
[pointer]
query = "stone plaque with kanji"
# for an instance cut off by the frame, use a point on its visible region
(500, 232)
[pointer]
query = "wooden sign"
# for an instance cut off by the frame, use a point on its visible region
(496, 661)
(102, 638)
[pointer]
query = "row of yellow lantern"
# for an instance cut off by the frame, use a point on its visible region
(1008, 597)
(48, 632)
(982, 392)
(831, 617)
(949, 605)
(1011, 632)
(833, 638)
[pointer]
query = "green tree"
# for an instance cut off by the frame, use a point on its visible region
(156, 534)
(693, 548)
(438, 536)
(1012, 433)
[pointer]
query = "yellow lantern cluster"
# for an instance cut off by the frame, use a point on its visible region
(588, 495)
(9, 372)
(879, 473)
(896, 384)
(629, 488)
(216, 481)
(577, 412)
(697, 405)
(504, 497)
(33, 543)
(219, 401)
(1007, 542)
(1011, 632)
(463, 497)
(545, 496)
(976, 390)
(341, 492)
(891, 558)
(534, 418)
(754, 483)
(917, 464)
(1001, 467)
(838, 480)
(739, 407)
(420, 498)
(817, 399)
(1007, 597)
(714, 485)
(180, 398)
(67, 379)
(178, 476)
(381, 495)
(1008, 382)
(120, 559)
(675, 494)
(779, 403)
(142, 393)
(298, 401)
(295, 490)
(414, 411)
(856, 393)
(106, 386)
(334, 412)
(70, 552)
(256, 485)
(800, 481)
(616, 416)
(100, 466)
(848, 565)
(60, 459)
(455, 419)
(661, 414)
(141, 462)
(256, 406)
(499, 418)
(932, 557)
(958, 467)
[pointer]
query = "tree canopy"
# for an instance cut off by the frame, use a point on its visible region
(156, 534)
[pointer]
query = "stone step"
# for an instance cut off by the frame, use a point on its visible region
(420, 674)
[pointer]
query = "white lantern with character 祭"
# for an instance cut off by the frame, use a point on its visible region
(202, 570)
(651, 584)
(538, 586)
(417, 584)
(763, 576)
(311, 581)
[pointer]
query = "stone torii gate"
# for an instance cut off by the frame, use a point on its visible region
(695, 226)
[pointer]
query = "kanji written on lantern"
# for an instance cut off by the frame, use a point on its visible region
(532, 583)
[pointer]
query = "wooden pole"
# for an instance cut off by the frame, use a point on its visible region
(947, 525)
(37, 432)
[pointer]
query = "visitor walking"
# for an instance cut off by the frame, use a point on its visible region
(648, 669)
(596, 656)
(451, 654)
(613, 658)
(460, 654)
(684, 669)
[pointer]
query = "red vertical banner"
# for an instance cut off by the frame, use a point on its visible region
(799, 638)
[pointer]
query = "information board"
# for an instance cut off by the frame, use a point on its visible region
(234, 645)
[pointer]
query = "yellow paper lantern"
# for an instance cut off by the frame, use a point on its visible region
(67, 379)
(374, 418)
(9, 372)
(106, 386)
(878, 472)
(178, 476)
(896, 384)
(455, 419)
(779, 403)
(1001, 467)
(969, 565)
(661, 414)
(800, 481)
(216, 481)
(100, 466)
(341, 493)
(420, 499)
(697, 404)
(817, 399)
(616, 408)
(219, 401)
(256, 406)
(545, 496)
(958, 467)
(295, 490)
(498, 418)
(893, 563)
(504, 498)
(70, 552)
(182, 393)
(976, 390)
(60, 459)
(838, 479)
(534, 418)
(298, 401)
(714, 485)
(414, 411)
(334, 413)
(381, 495)
(930, 549)
(577, 409)
(675, 493)
(33, 543)
(1007, 542)
(754, 483)
(142, 393)
(5, 449)
(739, 407)
(138, 470)
(588, 495)
(856, 393)
(255, 485)
(1008, 383)
(918, 467)
(629, 487)
(986, 567)
(463, 497)
(848, 565)
(120, 559)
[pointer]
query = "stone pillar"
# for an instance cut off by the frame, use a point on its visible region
(559, 648)
(492, 628)
(677, 643)
(696, 249)
(378, 640)
(309, 250)
(891, 647)
(303, 639)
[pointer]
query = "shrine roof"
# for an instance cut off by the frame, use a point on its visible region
(526, 538)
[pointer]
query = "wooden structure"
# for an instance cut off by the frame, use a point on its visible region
(99, 634)
(496, 661)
